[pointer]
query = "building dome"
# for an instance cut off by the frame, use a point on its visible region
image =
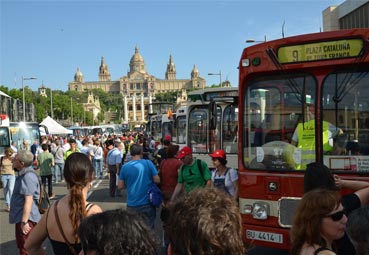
(78, 77)
(136, 57)
(137, 62)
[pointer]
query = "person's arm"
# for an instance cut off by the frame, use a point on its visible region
(235, 185)
(177, 190)
(209, 183)
(34, 241)
(361, 188)
(350, 184)
(28, 200)
(294, 138)
(156, 179)
(121, 184)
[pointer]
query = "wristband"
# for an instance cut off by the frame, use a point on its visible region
(24, 222)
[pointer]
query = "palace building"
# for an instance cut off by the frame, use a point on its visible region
(138, 88)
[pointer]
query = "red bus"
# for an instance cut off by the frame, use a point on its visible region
(281, 84)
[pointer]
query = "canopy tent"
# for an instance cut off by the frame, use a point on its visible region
(54, 127)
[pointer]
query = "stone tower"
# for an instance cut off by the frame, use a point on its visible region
(104, 74)
(170, 74)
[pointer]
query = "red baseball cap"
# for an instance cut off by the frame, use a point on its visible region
(184, 152)
(218, 154)
(167, 138)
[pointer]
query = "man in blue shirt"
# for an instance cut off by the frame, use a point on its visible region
(137, 175)
(114, 160)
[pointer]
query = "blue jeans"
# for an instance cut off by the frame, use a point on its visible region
(147, 212)
(98, 164)
(8, 181)
(59, 169)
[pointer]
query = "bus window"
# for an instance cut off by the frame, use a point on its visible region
(230, 126)
(181, 129)
(345, 105)
(214, 134)
(156, 129)
(198, 128)
(272, 113)
(4, 138)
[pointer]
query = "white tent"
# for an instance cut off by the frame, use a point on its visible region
(54, 127)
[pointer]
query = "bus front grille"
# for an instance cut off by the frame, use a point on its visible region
(287, 208)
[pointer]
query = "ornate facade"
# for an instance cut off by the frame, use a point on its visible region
(138, 88)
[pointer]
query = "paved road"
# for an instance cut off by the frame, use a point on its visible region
(99, 195)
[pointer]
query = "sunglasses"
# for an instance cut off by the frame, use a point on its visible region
(337, 215)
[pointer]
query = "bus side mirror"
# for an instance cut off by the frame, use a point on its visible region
(213, 115)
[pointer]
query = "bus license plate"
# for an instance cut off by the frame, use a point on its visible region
(264, 236)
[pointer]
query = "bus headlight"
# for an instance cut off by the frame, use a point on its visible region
(245, 62)
(247, 209)
(260, 210)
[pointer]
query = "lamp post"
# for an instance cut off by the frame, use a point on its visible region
(254, 41)
(71, 110)
(51, 103)
(24, 99)
(220, 77)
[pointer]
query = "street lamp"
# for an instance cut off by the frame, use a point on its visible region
(71, 110)
(220, 77)
(24, 99)
(254, 41)
(51, 103)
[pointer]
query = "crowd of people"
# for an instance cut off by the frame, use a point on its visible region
(199, 209)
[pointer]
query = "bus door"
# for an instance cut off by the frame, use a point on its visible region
(204, 130)
(180, 127)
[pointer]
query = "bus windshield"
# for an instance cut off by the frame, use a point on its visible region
(272, 111)
(345, 104)
(24, 132)
(198, 128)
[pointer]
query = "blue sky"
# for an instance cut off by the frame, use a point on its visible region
(50, 39)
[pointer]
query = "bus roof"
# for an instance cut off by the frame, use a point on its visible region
(341, 47)
(212, 93)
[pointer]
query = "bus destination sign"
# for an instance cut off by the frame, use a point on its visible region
(336, 49)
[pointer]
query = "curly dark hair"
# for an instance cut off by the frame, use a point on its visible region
(117, 232)
(206, 221)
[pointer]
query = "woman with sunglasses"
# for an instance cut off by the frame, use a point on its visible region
(319, 220)
(318, 175)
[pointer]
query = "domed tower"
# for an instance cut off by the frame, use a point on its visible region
(170, 74)
(137, 63)
(195, 73)
(78, 77)
(104, 74)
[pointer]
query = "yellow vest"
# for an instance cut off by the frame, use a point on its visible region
(306, 142)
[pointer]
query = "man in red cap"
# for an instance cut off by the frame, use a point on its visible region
(192, 174)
